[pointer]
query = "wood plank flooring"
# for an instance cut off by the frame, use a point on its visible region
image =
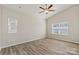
(43, 47)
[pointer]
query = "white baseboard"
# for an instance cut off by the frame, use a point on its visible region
(76, 42)
(22, 42)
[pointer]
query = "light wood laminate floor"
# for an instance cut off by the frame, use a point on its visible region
(42, 47)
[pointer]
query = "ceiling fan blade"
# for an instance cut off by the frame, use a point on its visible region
(42, 8)
(51, 10)
(50, 6)
(41, 11)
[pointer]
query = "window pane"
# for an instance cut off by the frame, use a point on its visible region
(60, 28)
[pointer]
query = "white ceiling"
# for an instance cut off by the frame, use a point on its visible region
(34, 9)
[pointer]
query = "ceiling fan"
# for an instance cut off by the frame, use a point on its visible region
(46, 9)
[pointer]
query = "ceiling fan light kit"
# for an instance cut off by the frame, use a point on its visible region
(46, 11)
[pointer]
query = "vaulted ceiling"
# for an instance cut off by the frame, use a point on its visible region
(34, 9)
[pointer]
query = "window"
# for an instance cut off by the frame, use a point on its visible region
(60, 28)
(12, 25)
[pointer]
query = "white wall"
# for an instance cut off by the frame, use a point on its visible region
(70, 15)
(29, 28)
(0, 28)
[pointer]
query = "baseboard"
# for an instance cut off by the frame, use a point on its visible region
(65, 41)
(22, 42)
